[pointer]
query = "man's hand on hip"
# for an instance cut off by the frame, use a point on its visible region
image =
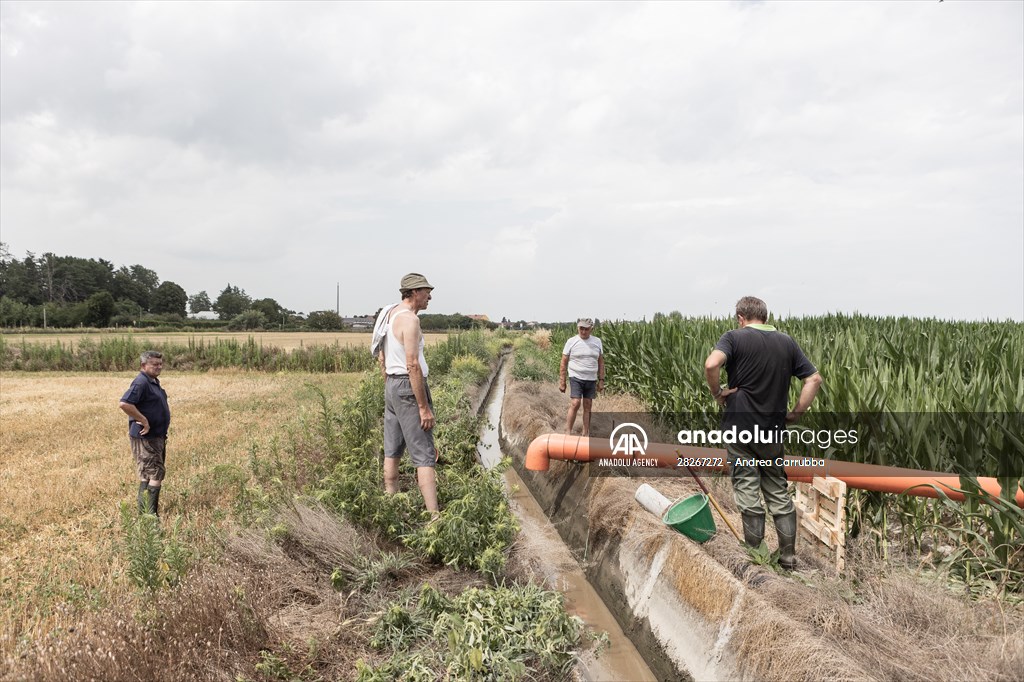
(723, 394)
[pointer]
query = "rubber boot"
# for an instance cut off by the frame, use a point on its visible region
(154, 499)
(143, 502)
(785, 526)
(753, 529)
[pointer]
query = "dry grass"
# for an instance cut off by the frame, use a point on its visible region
(285, 340)
(539, 409)
(65, 466)
(209, 629)
(541, 337)
(261, 611)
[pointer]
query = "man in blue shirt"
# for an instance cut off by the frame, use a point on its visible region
(145, 403)
(760, 361)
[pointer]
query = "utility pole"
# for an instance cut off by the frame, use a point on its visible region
(337, 300)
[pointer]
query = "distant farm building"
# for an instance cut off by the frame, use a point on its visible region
(363, 322)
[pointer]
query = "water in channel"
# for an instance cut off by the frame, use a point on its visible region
(619, 662)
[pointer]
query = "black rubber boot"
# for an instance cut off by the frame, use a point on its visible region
(753, 529)
(154, 499)
(785, 526)
(143, 504)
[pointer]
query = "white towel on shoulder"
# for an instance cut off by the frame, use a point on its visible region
(380, 330)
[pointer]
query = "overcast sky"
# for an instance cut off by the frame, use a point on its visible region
(534, 160)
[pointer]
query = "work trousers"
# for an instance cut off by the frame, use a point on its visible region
(749, 483)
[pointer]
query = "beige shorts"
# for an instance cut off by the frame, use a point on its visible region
(149, 456)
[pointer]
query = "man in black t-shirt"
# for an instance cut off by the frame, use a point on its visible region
(760, 361)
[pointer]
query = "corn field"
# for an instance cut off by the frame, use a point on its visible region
(932, 394)
(960, 373)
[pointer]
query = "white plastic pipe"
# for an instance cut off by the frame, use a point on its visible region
(651, 500)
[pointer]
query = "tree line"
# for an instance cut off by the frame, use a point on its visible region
(67, 291)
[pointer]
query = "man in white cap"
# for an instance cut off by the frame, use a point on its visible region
(583, 361)
(408, 407)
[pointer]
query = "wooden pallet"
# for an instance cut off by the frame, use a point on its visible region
(821, 517)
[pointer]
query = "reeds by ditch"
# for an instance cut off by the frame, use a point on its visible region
(122, 353)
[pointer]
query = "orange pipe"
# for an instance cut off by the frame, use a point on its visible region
(664, 455)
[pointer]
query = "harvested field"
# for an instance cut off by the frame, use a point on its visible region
(65, 466)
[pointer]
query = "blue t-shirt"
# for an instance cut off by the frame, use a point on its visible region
(146, 394)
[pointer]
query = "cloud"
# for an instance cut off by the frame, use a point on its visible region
(539, 158)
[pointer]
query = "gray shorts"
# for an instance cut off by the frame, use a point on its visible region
(402, 423)
(149, 454)
(581, 388)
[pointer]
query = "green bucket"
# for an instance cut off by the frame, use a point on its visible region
(692, 517)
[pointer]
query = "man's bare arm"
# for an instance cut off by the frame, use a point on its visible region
(713, 376)
(807, 393)
(562, 372)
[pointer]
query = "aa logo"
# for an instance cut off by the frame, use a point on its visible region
(629, 440)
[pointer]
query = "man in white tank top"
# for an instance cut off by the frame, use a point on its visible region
(408, 408)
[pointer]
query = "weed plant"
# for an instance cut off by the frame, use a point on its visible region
(154, 561)
(502, 633)
(478, 344)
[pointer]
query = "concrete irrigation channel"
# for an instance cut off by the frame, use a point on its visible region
(545, 554)
(674, 609)
(619, 588)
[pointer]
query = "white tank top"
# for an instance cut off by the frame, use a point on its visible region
(394, 351)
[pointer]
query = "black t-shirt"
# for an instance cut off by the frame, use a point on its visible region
(760, 362)
(146, 394)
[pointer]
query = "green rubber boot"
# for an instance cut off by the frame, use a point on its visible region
(785, 526)
(154, 500)
(753, 529)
